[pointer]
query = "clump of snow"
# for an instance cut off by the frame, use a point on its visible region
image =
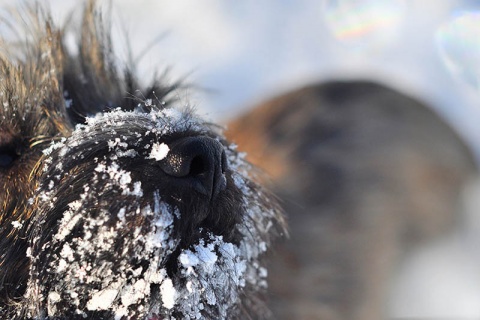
(159, 151)
(102, 299)
(52, 300)
(17, 224)
(168, 293)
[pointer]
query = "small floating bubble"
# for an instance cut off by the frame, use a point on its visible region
(458, 43)
(363, 23)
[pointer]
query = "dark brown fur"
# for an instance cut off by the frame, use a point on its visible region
(365, 172)
(99, 181)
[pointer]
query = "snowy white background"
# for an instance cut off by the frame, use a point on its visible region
(245, 51)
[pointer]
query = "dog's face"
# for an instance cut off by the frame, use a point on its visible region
(140, 210)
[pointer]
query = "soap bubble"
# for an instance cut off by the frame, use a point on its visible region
(458, 42)
(364, 23)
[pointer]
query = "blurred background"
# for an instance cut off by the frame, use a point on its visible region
(242, 52)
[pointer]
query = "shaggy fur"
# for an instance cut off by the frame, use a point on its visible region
(116, 206)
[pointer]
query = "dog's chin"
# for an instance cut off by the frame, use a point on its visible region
(114, 265)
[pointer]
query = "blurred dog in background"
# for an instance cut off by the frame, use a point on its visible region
(365, 173)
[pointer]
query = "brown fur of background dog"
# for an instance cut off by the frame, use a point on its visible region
(364, 173)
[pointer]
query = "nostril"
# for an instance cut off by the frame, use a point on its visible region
(198, 166)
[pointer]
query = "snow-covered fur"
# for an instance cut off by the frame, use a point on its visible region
(118, 202)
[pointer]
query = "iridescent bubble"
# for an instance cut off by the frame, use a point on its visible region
(458, 42)
(362, 23)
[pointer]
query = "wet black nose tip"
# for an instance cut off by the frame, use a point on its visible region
(199, 161)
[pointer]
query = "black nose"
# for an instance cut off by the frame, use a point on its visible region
(199, 161)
